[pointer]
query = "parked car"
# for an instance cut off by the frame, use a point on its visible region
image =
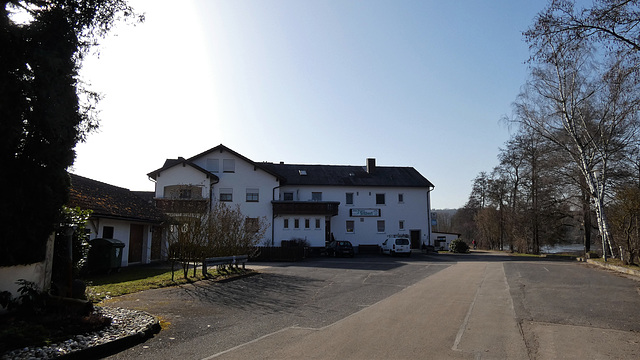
(340, 248)
(396, 245)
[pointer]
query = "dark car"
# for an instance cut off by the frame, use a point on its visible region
(340, 248)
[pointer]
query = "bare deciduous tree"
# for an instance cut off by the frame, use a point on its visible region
(586, 112)
(220, 231)
(586, 82)
(625, 218)
(612, 23)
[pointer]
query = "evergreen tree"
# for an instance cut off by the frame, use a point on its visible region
(42, 117)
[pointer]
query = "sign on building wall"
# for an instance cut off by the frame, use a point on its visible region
(364, 212)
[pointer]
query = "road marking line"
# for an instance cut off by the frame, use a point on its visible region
(245, 344)
(463, 327)
(404, 288)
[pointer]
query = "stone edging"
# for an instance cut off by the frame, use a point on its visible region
(620, 269)
(128, 328)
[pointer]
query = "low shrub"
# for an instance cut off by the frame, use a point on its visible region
(459, 246)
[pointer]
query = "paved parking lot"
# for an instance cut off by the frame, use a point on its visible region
(468, 306)
(207, 318)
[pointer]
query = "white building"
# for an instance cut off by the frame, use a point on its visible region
(442, 240)
(317, 203)
(120, 214)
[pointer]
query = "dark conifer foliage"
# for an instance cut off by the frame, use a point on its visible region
(41, 115)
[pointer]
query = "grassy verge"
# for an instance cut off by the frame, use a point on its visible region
(134, 279)
(522, 254)
(617, 262)
(565, 256)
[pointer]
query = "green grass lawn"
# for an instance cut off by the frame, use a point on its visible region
(138, 278)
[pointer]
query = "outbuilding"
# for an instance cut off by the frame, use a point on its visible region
(121, 214)
(442, 240)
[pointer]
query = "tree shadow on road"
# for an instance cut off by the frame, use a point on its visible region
(263, 293)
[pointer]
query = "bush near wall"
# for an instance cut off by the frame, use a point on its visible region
(459, 246)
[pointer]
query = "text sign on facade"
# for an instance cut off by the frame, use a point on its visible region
(365, 212)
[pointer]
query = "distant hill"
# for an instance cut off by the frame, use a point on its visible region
(449, 212)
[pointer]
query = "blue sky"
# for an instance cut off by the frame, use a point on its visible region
(410, 83)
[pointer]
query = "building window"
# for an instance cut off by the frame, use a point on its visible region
(107, 232)
(350, 226)
(213, 165)
(286, 223)
(307, 223)
(380, 226)
(253, 195)
(296, 223)
(228, 165)
(379, 199)
(252, 225)
(401, 198)
(288, 196)
(317, 223)
(316, 196)
(401, 224)
(349, 199)
(185, 194)
(226, 194)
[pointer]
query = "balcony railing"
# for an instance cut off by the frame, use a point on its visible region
(182, 206)
(305, 207)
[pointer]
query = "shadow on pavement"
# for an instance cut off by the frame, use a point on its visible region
(386, 262)
(264, 293)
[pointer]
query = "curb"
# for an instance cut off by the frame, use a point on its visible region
(616, 268)
(115, 346)
(241, 276)
(123, 343)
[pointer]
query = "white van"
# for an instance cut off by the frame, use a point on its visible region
(396, 245)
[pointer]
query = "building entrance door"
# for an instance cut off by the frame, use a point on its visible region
(415, 239)
(136, 233)
(156, 243)
(327, 232)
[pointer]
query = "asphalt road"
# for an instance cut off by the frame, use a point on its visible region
(425, 307)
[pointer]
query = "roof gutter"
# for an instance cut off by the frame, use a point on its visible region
(215, 181)
(429, 190)
(273, 214)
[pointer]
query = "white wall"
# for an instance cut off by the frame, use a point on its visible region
(38, 273)
(245, 176)
(314, 236)
(121, 231)
(413, 211)
(447, 237)
(182, 175)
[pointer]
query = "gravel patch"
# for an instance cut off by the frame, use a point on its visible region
(125, 325)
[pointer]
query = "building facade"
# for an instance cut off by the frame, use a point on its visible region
(121, 214)
(314, 203)
(442, 240)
